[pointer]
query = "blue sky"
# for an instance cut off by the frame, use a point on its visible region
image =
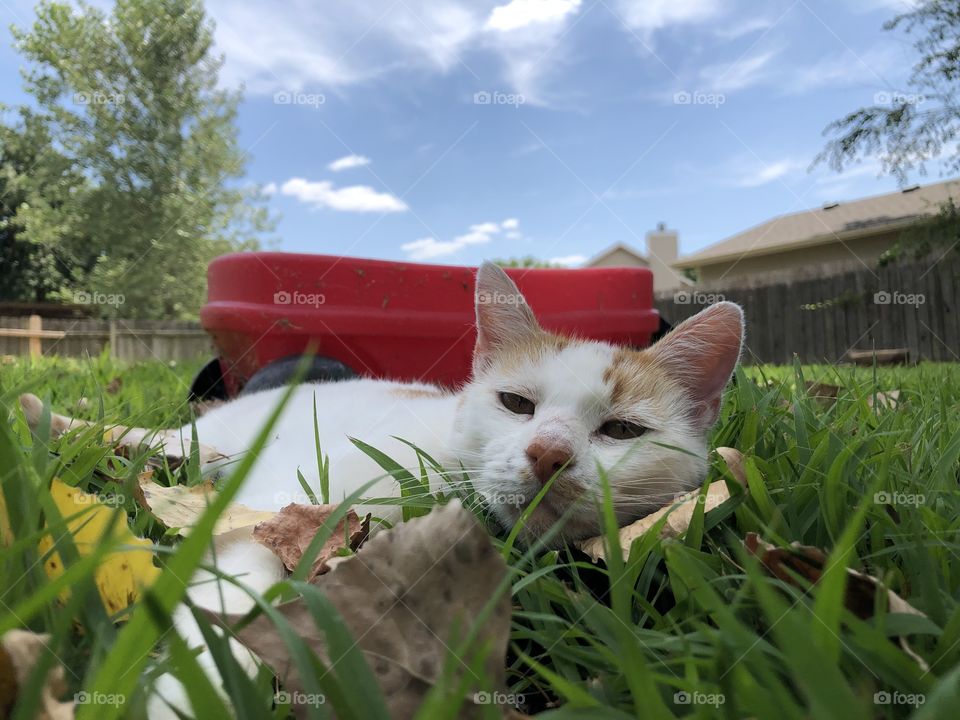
(554, 128)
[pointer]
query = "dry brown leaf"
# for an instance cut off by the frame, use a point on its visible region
(179, 506)
(823, 393)
(20, 651)
(888, 400)
(407, 596)
(289, 533)
(679, 513)
(808, 562)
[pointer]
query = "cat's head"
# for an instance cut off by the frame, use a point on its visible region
(541, 404)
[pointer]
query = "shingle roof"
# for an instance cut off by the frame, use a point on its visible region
(829, 224)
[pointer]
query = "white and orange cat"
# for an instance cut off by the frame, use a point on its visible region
(537, 405)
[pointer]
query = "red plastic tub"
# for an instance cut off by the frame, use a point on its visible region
(398, 320)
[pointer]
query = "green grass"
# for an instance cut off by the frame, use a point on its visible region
(694, 615)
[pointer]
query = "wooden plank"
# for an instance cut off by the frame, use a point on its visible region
(947, 274)
(35, 326)
(825, 317)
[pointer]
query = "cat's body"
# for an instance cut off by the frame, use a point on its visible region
(539, 408)
(374, 411)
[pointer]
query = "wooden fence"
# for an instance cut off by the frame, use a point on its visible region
(126, 339)
(912, 306)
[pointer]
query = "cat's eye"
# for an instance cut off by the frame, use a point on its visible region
(621, 430)
(517, 403)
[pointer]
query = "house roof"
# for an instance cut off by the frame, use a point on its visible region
(614, 248)
(831, 223)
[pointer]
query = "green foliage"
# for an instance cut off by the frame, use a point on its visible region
(908, 127)
(688, 619)
(38, 262)
(527, 261)
(130, 98)
(939, 235)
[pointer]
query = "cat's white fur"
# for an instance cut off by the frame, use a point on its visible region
(672, 389)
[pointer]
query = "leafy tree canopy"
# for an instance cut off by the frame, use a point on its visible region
(130, 99)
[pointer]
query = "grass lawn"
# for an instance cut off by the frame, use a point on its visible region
(688, 627)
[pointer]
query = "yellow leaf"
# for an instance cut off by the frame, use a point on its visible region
(124, 572)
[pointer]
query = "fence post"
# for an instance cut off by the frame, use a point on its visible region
(113, 338)
(35, 326)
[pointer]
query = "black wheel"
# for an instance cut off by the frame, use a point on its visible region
(279, 372)
(208, 383)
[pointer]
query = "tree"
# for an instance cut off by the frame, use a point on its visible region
(527, 261)
(131, 98)
(907, 129)
(36, 188)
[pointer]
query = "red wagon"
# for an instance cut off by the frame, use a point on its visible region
(397, 320)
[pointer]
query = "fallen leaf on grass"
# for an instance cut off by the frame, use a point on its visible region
(808, 562)
(888, 400)
(179, 506)
(20, 651)
(408, 596)
(122, 573)
(824, 393)
(679, 513)
(289, 533)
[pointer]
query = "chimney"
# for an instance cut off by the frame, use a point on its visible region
(662, 253)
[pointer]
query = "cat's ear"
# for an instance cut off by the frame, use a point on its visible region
(701, 352)
(504, 319)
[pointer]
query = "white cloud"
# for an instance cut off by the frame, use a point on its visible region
(350, 161)
(763, 174)
(353, 198)
(429, 248)
(569, 260)
(650, 15)
(269, 189)
(521, 13)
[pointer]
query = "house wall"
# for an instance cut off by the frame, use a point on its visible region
(619, 258)
(820, 260)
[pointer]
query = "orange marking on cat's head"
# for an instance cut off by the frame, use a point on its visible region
(634, 375)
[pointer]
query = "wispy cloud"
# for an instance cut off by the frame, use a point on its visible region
(847, 68)
(350, 161)
(743, 73)
(762, 174)
(295, 47)
(429, 248)
(650, 15)
(741, 27)
(352, 198)
(788, 76)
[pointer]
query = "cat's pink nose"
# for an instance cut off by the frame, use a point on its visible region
(547, 459)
